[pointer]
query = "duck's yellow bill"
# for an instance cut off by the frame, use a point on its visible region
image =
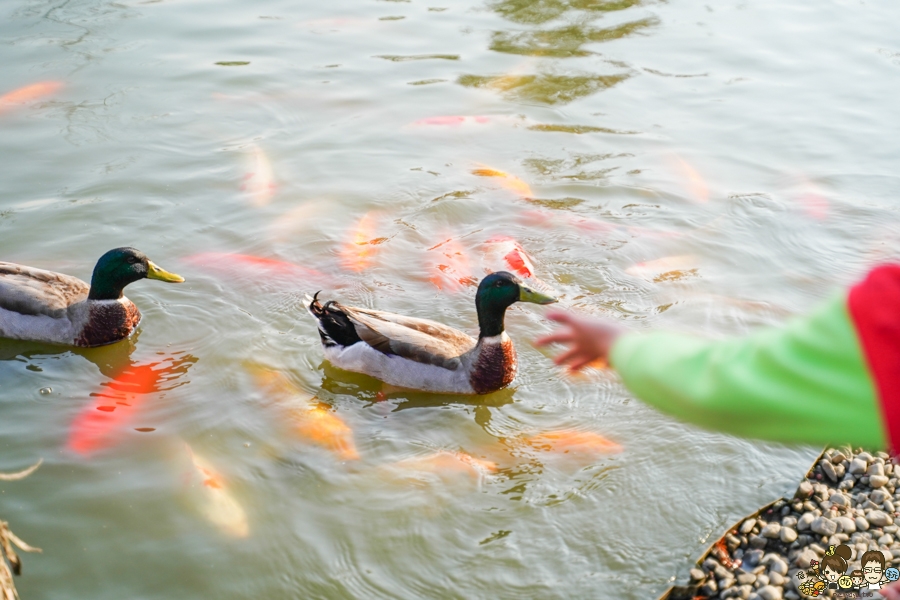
(156, 273)
(526, 294)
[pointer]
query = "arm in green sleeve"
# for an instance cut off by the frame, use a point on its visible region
(805, 382)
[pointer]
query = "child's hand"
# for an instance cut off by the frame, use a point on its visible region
(892, 592)
(590, 338)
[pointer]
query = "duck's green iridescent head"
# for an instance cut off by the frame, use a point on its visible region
(497, 292)
(121, 266)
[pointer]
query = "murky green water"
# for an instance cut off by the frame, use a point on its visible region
(754, 142)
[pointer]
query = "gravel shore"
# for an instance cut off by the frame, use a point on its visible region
(849, 497)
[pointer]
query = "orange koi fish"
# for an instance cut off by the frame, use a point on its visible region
(312, 421)
(508, 181)
(570, 441)
(669, 267)
(451, 271)
(219, 506)
(446, 462)
(256, 268)
(361, 245)
(100, 423)
(259, 182)
(30, 93)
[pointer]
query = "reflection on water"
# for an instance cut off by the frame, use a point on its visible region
(686, 165)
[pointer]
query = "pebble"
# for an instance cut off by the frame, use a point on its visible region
(886, 540)
(825, 526)
(789, 521)
(858, 466)
(888, 506)
(879, 518)
(861, 523)
(788, 535)
(752, 558)
(806, 557)
(805, 521)
(829, 471)
(771, 531)
(770, 592)
(847, 524)
(838, 457)
(839, 500)
(804, 491)
(879, 496)
(875, 469)
(697, 574)
(877, 481)
(746, 578)
(748, 526)
(776, 579)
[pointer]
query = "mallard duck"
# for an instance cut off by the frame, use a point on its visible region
(44, 306)
(425, 355)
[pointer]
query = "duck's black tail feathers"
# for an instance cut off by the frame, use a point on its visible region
(335, 327)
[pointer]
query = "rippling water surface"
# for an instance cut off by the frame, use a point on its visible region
(703, 166)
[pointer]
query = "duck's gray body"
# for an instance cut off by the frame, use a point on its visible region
(45, 306)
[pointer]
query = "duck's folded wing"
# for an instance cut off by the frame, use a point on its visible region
(420, 340)
(31, 291)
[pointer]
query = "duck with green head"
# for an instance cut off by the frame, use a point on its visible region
(425, 355)
(44, 306)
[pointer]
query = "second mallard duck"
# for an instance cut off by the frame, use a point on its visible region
(425, 355)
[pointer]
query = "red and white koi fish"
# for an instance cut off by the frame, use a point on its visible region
(456, 121)
(311, 421)
(256, 268)
(361, 245)
(505, 254)
(218, 504)
(259, 182)
(506, 180)
(29, 93)
(115, 407)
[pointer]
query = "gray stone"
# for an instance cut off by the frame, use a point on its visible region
(776, 579)
(861, 523)
(745, 591)
(825, 526)
(839, 500)
(879, 519)
(875, 469)
(808, 506)
(747, 526)
(788, 535)
(886, 540)
(825, 505)
(732, 542)
(752, 558)
(777, 565)
(771, 531)
(838, 539)
(709, 588)
(888, 506)
(817, 549)
(724, 584)
(805, 521)
(770, 592)
(878, 496)
(746, 578)
(828, 470)
(721, 572)
(761, 580)
(845, 524)
(858, 466)
(804, 490)
(789, 521)
(847, 484)
(805, 558)
(791, 595)
(877, 481)
(697, 574)
(757, 541)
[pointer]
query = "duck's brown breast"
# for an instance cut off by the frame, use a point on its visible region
(108, 322)
(495, 367)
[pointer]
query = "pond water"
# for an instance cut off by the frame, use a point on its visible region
(711, 167)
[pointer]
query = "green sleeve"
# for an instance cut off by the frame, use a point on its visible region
(805, 382)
